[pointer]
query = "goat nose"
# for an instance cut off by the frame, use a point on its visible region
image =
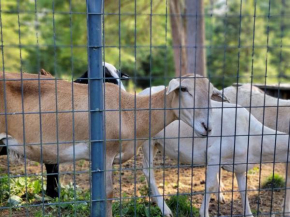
(206, 127)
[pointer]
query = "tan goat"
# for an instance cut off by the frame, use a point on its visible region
(46, 127)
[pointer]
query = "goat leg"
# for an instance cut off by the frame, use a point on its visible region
(148, 165)
(219, 195)
(52, 180)
(3, 150)
(109, 183)
(242, 180)
(287, 197)
(211, 186)
(52, 170)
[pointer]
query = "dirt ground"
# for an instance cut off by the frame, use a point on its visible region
(127, 183)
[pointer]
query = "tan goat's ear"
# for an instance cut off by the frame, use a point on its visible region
(173, 85)
(218, 96)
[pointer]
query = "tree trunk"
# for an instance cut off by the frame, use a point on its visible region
(195, 37)
(178, 38)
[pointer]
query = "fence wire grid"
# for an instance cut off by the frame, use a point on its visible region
(144, 108)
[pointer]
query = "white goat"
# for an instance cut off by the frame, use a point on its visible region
(232, 146)
(185, 155)
(268, 110)
(61, 140)
(247, 143)
(271, 111)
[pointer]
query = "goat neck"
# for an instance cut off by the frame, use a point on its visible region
(153, 113)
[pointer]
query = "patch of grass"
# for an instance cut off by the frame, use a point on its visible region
(144, 190)
(73, 200)
(82, 163)
(142, 179)
(254, 171)
(255, 212)
(17, 189)
(36, 163)
(139, 206)
(276, 182)
(69, 194)
(181, 204)
(4, 189)
(40, 214)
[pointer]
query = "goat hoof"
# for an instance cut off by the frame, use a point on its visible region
(168, 214)
(219, 198)
(222, 200)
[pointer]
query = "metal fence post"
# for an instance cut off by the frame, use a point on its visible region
(98, 151)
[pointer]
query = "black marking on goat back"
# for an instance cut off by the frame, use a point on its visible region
(108, 78)
(83, 79)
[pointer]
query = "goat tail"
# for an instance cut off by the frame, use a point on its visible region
(14, 157)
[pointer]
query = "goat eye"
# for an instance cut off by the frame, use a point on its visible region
(183, 89)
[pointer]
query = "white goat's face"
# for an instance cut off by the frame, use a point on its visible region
(192, 94)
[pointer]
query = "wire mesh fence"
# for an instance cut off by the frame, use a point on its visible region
(144, 108)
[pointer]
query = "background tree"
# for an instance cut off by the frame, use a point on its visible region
(195, 37)
(188, 37)
(53, 36)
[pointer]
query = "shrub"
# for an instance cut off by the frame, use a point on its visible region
(4, 188)
(181, 203)
(139, 206)
(69, 193)
(275, 182)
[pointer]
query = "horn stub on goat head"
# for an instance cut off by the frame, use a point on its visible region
(43, 72)
(218, 96)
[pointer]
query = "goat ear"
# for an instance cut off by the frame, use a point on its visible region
(218, 96)
(173, 85)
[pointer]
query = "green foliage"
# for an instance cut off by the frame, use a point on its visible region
(4, 188)
(48, 37)
(74, 201)
(57, 42)
(181, 205)
(139, 206)
(276, 182)
(13, 192)
(254, 171)
(40, 214)
(254, 211)
(69, 194)
(159, 64)
(237, 41)
(17, 187)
